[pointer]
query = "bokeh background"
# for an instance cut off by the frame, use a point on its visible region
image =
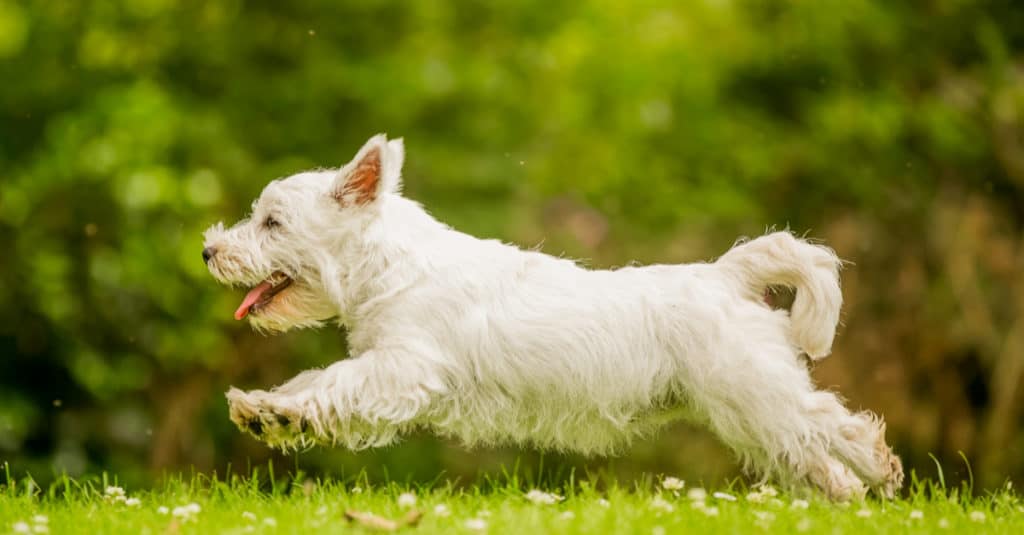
(655, 131)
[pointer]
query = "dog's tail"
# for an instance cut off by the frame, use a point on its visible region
(781, 259)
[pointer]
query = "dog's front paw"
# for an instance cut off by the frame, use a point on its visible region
(271, 418)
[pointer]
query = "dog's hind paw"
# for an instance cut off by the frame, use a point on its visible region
(892, 480)
(271, 420)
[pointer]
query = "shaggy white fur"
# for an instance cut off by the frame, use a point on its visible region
(486, 342)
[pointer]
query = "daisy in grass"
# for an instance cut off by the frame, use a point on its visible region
(476, 524)
(407, 500)
(672, 483)
(543, 498)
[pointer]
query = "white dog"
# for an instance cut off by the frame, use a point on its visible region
(486, 342)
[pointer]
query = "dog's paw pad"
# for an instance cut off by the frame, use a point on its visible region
(255, 427)
(260, 415)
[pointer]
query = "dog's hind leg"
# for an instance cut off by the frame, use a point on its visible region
(758, 397)
(795, 455)
(859, 440)
(780, 426)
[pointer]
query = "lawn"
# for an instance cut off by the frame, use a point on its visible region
(262, 504)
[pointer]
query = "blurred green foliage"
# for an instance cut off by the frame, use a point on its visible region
(611, 131)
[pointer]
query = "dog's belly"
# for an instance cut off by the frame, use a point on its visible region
(552, 424)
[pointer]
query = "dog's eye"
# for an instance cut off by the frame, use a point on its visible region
(271, 223)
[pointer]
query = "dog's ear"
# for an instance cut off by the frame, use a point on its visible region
(376, 169)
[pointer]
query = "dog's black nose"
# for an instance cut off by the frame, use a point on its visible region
(208, 254)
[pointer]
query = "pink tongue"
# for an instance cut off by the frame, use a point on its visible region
(251, 298)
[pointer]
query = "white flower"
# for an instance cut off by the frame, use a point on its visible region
(660, 504)
(406, 500)
(658, 530)
(916, 514)
(442, 510)
(321, 511)
(543, 498)
(764, 516)
(803, 525)
(476, 524)
(357, 490)
(724, 496)
(604, 503)
(567, 515)
(711, 511)
(977, 516)
(697, 493)
(762, 494)
(864, 513)
(943, 523)
(249, 516)
(799, 504)
(186, 512)
(21, 527)
(133, 502)
(270, 521)
(162, 510)
(114, 494)
(672, 483)
(40, 524)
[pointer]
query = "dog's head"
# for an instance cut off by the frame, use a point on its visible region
(303, 235)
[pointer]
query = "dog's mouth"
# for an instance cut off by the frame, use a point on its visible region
(260, 296)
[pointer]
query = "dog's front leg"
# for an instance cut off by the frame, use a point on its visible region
(358, 403)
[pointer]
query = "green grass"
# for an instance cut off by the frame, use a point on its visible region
(298, 505)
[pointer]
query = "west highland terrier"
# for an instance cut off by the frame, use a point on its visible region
(489, 343)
